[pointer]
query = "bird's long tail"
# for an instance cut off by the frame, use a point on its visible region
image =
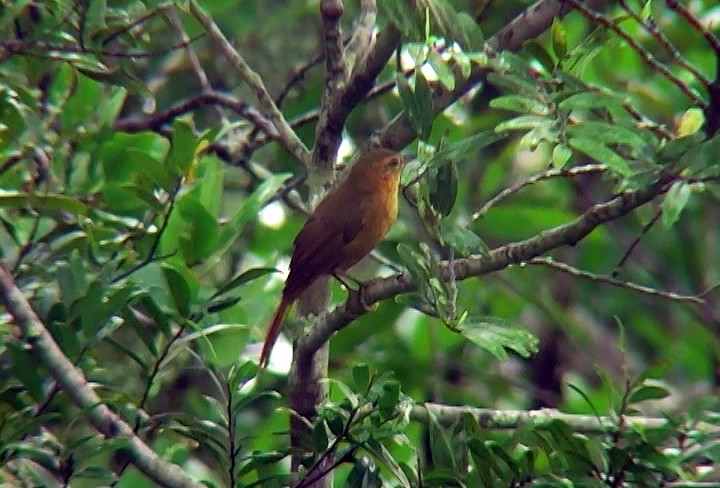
(274, 330)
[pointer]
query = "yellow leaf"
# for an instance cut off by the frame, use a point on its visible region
(690, 122)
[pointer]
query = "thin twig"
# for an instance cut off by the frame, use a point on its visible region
(197, 68)
(635, 242)
(711, 38)
(651, 28)
(47, 50)
(553, 173)
(566, 268)
(156, 242)
(648, 58)
(161, 119)
(286, 136)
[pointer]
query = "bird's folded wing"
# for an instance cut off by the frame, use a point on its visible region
(320, 246)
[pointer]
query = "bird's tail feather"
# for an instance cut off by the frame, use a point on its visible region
(274, 330)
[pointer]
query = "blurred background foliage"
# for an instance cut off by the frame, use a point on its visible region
(152, 256)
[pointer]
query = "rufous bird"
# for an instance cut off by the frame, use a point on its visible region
(346, 225)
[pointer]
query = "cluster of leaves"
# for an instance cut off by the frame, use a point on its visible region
(369, 431)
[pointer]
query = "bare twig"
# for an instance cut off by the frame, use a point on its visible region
(553, 173)
(160, 119)
(648, 58)
(651, 28)
(711, 38)
(566, 268)
(76, 387)
(635, 242)
(197, 68)
(286, 136)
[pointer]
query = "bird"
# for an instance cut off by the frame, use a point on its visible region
(345, 226)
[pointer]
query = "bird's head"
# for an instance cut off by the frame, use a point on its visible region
(378, 165)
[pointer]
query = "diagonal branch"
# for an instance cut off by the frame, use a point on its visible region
(497, 259)
(73, 382)
(159, 120)
(286, 136)
(579, 273)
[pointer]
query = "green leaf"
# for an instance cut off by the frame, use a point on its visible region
(648, 392)
(516, 84)
(674, 202)
(320, 436)
(541, 55)
(248, 211)
(182, 147)
(363, 474)
(389, 398)
(561, 155)
(559, 38)
(524, 122)
(179, 289)
(443, 188)
(458, 150)
(38, 201)
(520, 104)
(382, 454)
(216, 306)
(361, 377)
(607, 133)
(417, 104)
(243, 278)
(152, 168)
(586, 101)
(199, 238)
(25, 369)
(468, 33)
(483, 460)
(440, 447)
(495, 335)
(464, 241)
(424, 102)
(602, 153)
(443, 72)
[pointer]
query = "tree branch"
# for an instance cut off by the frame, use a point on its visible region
(286, 136)
(566, 268)
(551, 173)
(497, 259)
(513, 419)
(109, 424)
(159, 120)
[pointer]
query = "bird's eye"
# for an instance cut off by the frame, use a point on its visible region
(395, 162)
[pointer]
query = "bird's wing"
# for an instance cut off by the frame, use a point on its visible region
(320, 244)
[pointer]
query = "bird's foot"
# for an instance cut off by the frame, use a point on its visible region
(362, 300)
(346, 279)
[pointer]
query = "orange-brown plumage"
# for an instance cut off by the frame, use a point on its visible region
(346, 225)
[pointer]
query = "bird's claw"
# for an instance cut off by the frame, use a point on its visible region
(362, 300)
